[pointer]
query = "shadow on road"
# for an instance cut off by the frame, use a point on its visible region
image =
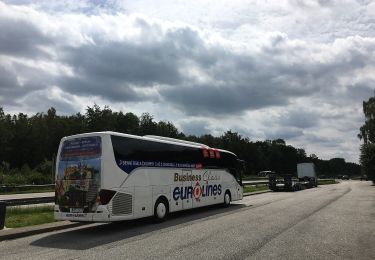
(101, 234)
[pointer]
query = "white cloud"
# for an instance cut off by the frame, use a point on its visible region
(297, 70)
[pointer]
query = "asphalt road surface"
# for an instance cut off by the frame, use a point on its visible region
(328, 222)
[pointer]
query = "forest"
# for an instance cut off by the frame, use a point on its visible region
(29, 143)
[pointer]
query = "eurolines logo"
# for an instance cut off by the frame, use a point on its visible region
(196, 192)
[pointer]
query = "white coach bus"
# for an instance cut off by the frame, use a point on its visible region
(109, 176)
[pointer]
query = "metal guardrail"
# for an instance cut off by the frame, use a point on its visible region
(13, 188)
(27, 185)
(29, 201)
(266, 182)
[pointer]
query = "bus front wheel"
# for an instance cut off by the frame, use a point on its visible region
(161, 210)
(227, 199)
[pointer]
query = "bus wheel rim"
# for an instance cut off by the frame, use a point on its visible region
(227, 199)
(160, 210)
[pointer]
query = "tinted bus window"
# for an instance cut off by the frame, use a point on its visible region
(132, 149)
(136, 149)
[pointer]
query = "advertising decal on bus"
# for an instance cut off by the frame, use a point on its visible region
(78, 173)
(129, 166)
(197, 191)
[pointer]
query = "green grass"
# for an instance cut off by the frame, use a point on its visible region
(255, 188)
(326, 182)
(27, 216)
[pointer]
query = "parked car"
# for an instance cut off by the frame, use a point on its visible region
(364, 178)
(345, 177)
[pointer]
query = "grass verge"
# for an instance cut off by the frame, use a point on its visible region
(28, 216)
(255, 188)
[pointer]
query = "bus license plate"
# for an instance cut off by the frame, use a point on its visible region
(76, 210)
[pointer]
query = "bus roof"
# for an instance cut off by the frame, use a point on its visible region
(175, 140)
(153, 138)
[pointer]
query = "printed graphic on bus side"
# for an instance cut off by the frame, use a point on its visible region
(78, 173)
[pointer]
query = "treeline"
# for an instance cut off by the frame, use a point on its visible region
(28, 144)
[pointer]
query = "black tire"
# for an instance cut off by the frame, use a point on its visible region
(161, 209)
(227, 199)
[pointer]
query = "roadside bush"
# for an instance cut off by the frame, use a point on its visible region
(38, 178)
(14, 179)
(45, 168)
(40, 175)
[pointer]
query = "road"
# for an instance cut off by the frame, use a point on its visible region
(328, 222)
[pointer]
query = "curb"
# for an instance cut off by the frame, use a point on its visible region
(255, 193)
(14, 233)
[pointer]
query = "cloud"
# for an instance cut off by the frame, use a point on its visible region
(21, 38)
(196, 127)
(285, 133)
(117, 70)
(8, 85)
(302, 66)
(300, 119)
(179, 65)
(178, 58)
(52, 97)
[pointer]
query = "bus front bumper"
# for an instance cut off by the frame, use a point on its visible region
(101, 215)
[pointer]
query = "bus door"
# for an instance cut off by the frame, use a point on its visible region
(187, 193)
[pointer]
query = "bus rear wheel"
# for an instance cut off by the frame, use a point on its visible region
(227, 199)
(161, 210)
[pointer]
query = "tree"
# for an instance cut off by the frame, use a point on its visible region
(167, 129)
(337, 166)
(367, 133)
(29, 142)
(147, 124)
(6, 135)
(127, 123)
(367, 160)
(98, 119)
(279, 142)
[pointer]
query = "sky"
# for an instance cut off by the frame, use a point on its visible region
(292, 69)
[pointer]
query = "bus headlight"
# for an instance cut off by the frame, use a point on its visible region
(105, 196)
